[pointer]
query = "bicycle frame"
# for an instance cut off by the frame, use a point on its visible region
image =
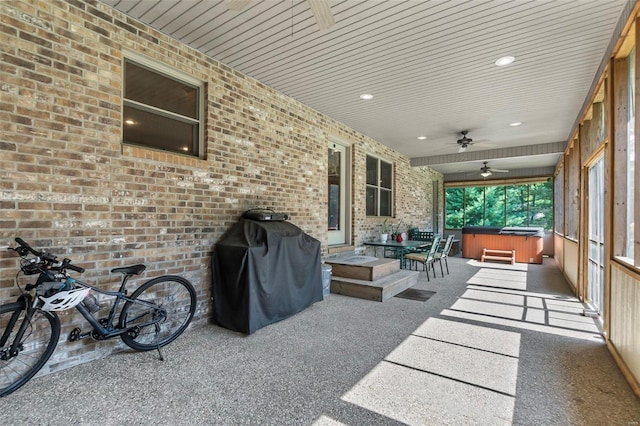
(155, 314)
(108, 330)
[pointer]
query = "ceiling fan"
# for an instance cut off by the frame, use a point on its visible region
(320, 8)
(464, 141)
(486, 171)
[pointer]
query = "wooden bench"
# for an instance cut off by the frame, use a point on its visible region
(504, 255)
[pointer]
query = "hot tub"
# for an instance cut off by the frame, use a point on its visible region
(526, 241)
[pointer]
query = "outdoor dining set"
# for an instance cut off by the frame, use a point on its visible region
(421, 247)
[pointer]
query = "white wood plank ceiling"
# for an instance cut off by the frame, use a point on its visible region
(430, 65)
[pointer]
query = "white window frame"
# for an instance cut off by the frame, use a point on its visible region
(180, 77)
(378, 188)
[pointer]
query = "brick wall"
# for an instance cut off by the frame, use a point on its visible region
(69, 185)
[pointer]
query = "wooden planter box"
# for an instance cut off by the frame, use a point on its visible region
(527, 242)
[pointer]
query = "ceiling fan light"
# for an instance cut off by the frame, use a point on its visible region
(322, 13)
(486, 174)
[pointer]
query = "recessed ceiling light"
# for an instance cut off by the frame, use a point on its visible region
(129, 121)
(422, 138)
(515, 124)
(505, 60)
(366, 96)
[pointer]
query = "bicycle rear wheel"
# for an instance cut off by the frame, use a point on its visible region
(32, 350)
(174, 300)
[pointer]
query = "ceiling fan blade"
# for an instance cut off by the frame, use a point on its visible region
(237, 5)
(499, 170)
(322, 13)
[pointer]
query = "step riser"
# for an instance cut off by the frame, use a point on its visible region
(372, 291)
(368, 272)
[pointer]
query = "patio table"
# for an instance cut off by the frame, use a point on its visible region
(400, 249)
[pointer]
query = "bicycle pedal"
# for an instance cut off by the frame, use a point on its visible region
(77, 334)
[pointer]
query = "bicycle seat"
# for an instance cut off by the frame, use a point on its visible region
(130, 270)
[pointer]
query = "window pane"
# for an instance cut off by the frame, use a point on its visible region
(334, 207)
(454, 218)
(334, 189)
(151, 88)
(159, 132)
(494, 206)
(525, 205)
(386, 172)
(541, 205)
(385, 202)
(372, 201)
(372, 171)
(517, 205)
(474, 206)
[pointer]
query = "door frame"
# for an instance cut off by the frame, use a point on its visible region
(336, 238)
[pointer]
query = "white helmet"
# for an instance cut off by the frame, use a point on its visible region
(65, 299)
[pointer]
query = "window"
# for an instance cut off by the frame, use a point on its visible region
(379, 187)
(528, 204)
(162, 109)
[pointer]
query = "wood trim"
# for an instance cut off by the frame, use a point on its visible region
(608, 199)
(618, 131)
(636, 207)
(626, 372)
(496, 182)
(628, 34)
(625, 334)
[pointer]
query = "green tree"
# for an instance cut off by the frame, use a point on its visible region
(541, 205)
(525, 205)
(494, 206)
(454, 207)
(517, 205)
(474, 206)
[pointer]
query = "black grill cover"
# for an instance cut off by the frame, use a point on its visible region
(264, 272)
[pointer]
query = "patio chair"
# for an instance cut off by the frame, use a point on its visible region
(418, 235)
(444, 253)
(427, 259)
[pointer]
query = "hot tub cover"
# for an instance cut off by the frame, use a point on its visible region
(263, 272)
(504, 230)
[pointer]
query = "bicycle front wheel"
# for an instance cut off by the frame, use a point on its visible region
(167, 307)
(23, 354)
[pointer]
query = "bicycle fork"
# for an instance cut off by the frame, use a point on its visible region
(16, 345)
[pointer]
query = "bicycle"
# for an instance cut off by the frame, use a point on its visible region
(153, 316)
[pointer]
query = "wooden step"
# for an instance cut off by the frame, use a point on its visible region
(500, 255)
(379, 290)
(363, 267)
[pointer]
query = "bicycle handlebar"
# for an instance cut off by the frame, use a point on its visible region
(65, 264)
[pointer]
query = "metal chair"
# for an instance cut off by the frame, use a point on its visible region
(444, 253)
(427, 259)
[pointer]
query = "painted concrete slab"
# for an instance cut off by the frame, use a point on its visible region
(474, 336)
(477, 367)
(418, 398)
